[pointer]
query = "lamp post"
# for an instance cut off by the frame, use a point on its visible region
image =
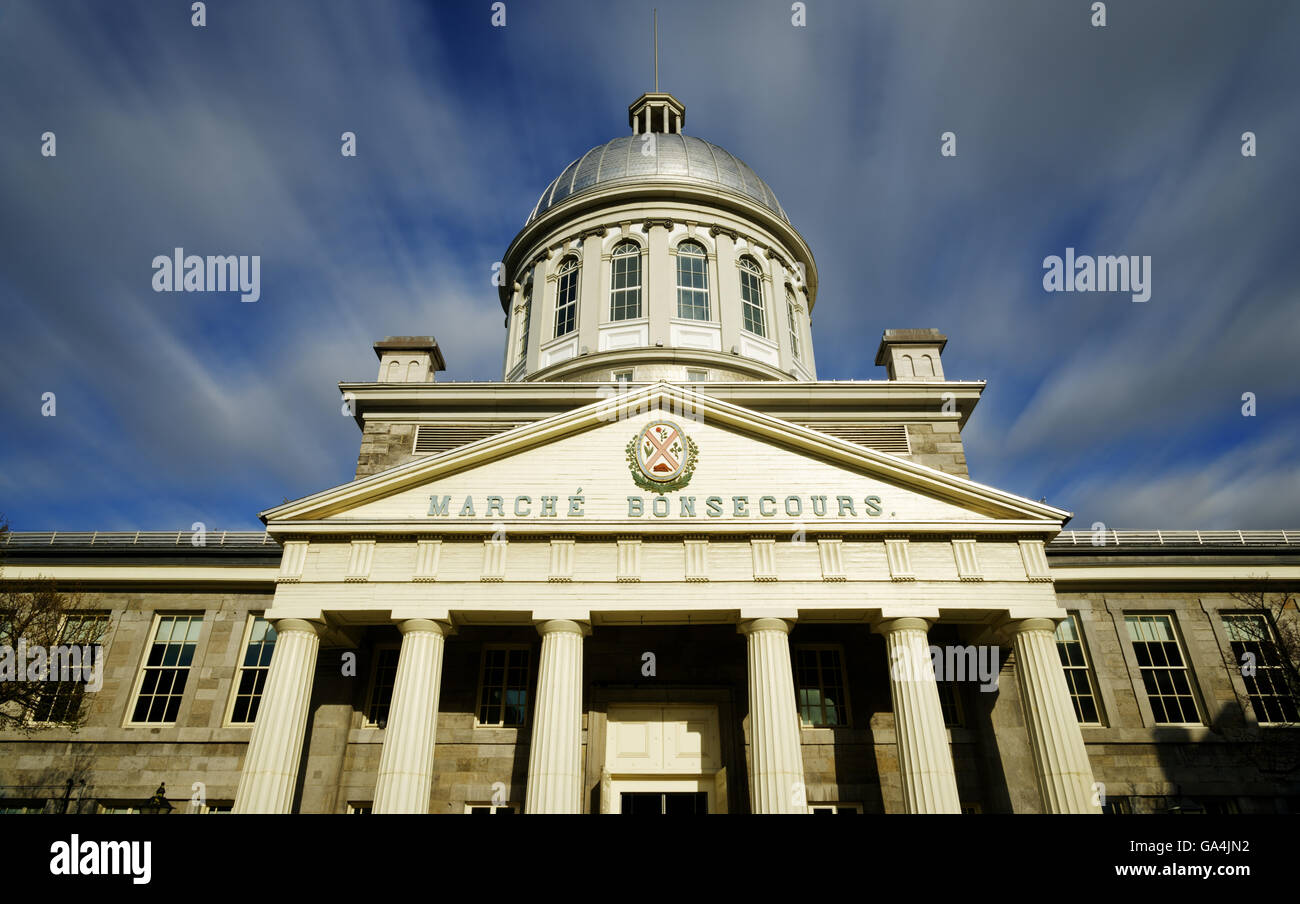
(158, 803)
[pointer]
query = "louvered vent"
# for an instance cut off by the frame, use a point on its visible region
(433, 438)
(881, 437)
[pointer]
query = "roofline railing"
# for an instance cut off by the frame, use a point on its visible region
(152, 539)
(1175, 538)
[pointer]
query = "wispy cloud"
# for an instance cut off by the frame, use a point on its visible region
(178, 407)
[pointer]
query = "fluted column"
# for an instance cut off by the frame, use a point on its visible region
(1060, 759)
(266, 784)
(555, 754)
(924, 755)
(406, 763)
(776, 771)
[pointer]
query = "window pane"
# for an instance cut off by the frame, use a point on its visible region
(1164, 675)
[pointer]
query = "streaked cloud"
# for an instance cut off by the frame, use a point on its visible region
(176, 407)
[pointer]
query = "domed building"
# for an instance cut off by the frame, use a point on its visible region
(659, 567)
(659, 256)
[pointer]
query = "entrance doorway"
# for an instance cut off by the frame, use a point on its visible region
(662, 759)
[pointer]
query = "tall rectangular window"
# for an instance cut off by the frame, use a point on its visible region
(819, 686)
(566, 298)
(625, 282)
(525, 318)
(503, 686)
(250, 679)
(1078, 677)
(751, 297)
(1259, 659)
(792, 322)
(950, 703)
(167, 668)
(62, 701)
(383, 676)
(1164, 669)
(692, 281)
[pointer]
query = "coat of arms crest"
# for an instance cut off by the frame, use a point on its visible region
(661, 457)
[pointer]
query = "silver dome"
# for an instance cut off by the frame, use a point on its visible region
(678, 158)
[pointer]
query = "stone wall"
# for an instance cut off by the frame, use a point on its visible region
(938, 445)
(383, 446)
(1156, 767)
(1151, 767)
(123, 764)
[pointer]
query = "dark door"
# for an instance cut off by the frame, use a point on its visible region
(665, 802)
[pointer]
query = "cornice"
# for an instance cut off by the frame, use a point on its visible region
(661, 190)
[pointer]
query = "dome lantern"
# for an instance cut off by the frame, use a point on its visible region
(656, 111)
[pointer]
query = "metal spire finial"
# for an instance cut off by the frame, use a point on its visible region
(656, 31)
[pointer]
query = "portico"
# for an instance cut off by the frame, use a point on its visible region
(899, 549)
(557, 776)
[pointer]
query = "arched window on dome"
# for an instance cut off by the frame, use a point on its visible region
(566, 297)
(625, 282)
(526, 316)
(692, 281)
(793, 321)
(751, 297)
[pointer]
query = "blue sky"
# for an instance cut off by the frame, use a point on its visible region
(175, 408)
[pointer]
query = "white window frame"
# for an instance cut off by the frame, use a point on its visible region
(694, 292)
(614, 375)
(216, 808)
(756, 272)
(107, 616)
(561, 274)
(1073, 618)
(627, 291)
(1226, 617)
(470, 807)
(525, 317)
(239, 671)
(1140, 685)
(697, 375)
(23, 806)
(835, 807)
(200, 646)
(792, 319)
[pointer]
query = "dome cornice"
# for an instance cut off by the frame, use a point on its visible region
(541, 228)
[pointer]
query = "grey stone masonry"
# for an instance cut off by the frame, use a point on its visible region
(384, 445)
(938, 445)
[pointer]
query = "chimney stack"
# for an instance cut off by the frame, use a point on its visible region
(912, 354)
(409, 359)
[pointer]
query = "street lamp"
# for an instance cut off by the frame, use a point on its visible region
(158, 803)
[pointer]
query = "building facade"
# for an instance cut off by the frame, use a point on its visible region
(659, 567)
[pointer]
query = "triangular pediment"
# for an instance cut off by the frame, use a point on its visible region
(579, 470)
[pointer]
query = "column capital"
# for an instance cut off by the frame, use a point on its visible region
(753, 625)
(302, 625)
(890, 625)
(564, 626)
(425, 626)
(1032, 624)
(1010, 623)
